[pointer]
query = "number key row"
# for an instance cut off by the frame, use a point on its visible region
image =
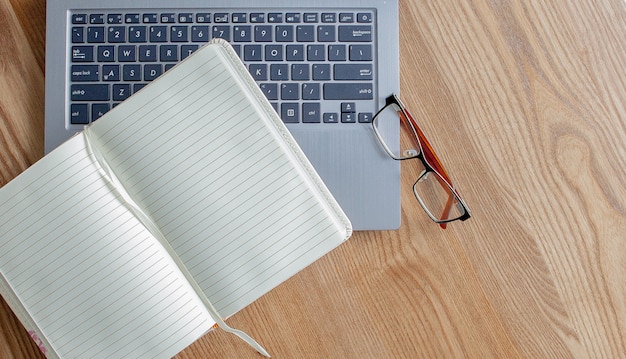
(201, 33)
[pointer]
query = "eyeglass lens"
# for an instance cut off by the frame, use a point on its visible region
(407, 147)
(431, 190)
(437, 198)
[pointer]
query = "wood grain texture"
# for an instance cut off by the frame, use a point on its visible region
(525, 103)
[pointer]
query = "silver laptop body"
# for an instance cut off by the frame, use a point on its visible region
(326, 66)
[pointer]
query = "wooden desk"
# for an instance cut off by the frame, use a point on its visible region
(525, 101)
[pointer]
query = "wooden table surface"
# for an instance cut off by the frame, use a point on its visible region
(525, 102)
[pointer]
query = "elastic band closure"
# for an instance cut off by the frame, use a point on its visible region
(108, 173)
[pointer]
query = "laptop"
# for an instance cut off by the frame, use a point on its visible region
(325, 66)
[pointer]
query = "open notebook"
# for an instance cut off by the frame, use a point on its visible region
(178, 208)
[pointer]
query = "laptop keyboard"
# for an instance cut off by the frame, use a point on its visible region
(314, 67)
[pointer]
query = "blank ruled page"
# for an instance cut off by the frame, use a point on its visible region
(199, 152)
(90, 275)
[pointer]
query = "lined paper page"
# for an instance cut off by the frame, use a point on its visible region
(91, 276)
(198, 153)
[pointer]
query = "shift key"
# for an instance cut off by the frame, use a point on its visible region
(90, 92)
(348, 91)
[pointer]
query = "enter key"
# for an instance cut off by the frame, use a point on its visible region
(353, 72)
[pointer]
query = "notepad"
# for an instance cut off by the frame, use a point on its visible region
(189, 195)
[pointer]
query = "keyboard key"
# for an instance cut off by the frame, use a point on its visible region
(121, 92)
(152, 71)
(85, 73)
(311, 91)
(259, 72)
(168, 53)
(364, 17)
(289, 112)
(289, 91)
(98, 110)
(348, 107)
(346, 17)
(263, 33)
(348, 117)
(137, 34)
(252, 53)
(147, 53)
(240, 17)
(150, 18)
(106, 53)
(117, 34)
(270, 90)
(114, 19)
(179, 34)
(95, 34)
(90, 92)
(111, 72)
(273, 53)
(360, 52)
(187, 50)
(242, 33)
(82, 53)
(200, 33)
(274, 17)
(79, 19)
(311, 113)
(185, 18)
(279, 72)
(337, 52)
(331, 117)
(284, 33)
(158, 33)
(237, 48)
(96, 19)
(348, 91)
(321, 72)
(168, 18)
(310, 17)
(326, 33)
(78, 34)
(329, 17)
(355, 33)
(257, 17)
(300, 72)
(292, 17)
(315, 53)
(222, 32)
(131, 72)
(203, 17)
(305, 33)
(127, 53)
(365, 117)
(295, 52)
(132, 18)
(220, 18)
(353, 72)
(79, 114)
(137, 87)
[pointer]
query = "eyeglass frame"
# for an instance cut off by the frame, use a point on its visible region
(424, 156)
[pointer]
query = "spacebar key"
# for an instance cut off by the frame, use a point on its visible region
(348, 91)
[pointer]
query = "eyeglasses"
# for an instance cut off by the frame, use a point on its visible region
(433, 188)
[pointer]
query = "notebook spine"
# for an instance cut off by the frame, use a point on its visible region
(7, 292)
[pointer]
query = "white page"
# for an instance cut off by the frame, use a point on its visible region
(91, 276)
(198, 153)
